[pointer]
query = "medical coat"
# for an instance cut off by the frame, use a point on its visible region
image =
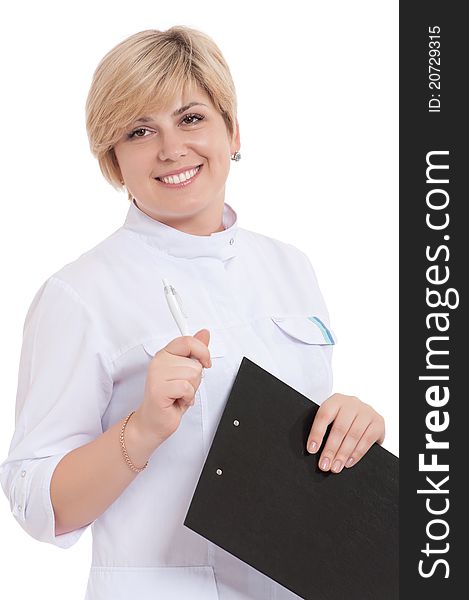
(89, 336)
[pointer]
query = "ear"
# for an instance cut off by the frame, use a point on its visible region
(236, 141)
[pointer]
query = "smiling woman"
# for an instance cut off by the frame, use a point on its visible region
(178, 164)
(175, 72)
(114, 419)
(146, 72)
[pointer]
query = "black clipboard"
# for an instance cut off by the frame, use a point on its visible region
(262, 497)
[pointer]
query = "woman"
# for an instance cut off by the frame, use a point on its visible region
(114, 417)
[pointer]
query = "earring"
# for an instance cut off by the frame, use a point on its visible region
(236, 156)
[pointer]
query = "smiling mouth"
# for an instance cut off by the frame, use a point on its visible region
(181, 179)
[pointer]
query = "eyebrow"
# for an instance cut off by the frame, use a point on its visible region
(176, 113)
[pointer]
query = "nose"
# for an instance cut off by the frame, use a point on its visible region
(172, 146)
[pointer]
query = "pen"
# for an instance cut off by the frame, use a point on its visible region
(175, 306)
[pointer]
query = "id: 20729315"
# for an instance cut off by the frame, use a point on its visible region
(434, 68)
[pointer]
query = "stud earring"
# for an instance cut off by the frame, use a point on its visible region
(236, 156)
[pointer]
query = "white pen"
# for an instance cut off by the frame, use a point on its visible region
(175, 306)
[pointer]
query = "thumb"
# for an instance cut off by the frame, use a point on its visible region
(203, 335)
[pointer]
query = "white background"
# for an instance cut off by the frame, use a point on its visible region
(318, 112)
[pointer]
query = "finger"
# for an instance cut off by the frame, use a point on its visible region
(325, 415)
(181, 368)
(349, 443)
(180, 391)
(369, 437)
(340, 428)
(184, 362)
(204, 336)
(189, 369)
(190, 346)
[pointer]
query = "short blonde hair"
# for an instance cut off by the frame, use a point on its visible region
(144, 72)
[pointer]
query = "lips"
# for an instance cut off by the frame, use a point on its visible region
(180, 178)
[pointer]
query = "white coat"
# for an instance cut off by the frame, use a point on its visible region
(89, 336)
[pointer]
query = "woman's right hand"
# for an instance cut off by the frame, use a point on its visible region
(172, 381)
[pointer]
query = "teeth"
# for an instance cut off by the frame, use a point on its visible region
(180, 177)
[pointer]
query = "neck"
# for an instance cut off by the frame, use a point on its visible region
(201, 224)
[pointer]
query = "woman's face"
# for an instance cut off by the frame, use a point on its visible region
(189, 138)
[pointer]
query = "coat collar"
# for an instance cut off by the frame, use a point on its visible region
(220, 245)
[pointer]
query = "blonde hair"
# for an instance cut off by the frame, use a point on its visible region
(144, 72)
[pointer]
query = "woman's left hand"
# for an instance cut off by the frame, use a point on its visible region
(357, 426)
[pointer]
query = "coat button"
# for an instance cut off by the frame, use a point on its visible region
(232, 241)
(23, 473)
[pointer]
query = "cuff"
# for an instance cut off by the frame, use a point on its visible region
(30, 501)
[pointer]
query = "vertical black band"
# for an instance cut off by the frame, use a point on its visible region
(433, 297)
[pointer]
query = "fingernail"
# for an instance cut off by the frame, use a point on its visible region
(312, 447)
(324, 464)
(350, 462)
(337, 466)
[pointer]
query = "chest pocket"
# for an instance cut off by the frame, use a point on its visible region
(306, 329)
(303, 344)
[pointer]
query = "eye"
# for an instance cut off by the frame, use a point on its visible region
(192, 119)
(136, 132)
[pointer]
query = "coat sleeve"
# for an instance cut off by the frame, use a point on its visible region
(64, 387)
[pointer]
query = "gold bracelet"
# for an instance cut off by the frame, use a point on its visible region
(124, 449)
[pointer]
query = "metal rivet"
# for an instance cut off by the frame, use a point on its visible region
(232, 241)
(219, 471)
(236, 422)
(23, 473)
